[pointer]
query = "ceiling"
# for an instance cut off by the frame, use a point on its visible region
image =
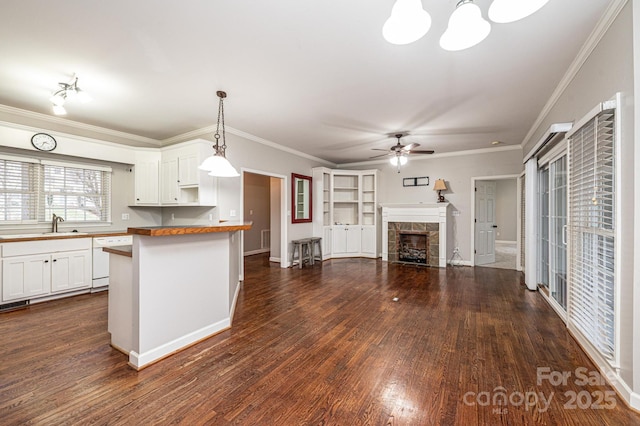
(315, 76)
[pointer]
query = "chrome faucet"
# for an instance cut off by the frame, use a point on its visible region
(54, 222)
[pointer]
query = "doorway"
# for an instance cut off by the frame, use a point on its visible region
(263, 202)
(494, 236)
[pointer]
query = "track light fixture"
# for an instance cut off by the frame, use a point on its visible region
(409, 21)
(66, 92)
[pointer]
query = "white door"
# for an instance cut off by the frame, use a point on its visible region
(485, 238)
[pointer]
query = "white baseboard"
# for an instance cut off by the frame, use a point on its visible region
(505, 242)
(139, 361)
(274, 259)
(252, 252)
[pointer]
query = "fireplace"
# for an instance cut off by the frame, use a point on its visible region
(413, 247)
(415, 233)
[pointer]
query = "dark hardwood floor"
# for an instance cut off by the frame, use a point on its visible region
(323, 345)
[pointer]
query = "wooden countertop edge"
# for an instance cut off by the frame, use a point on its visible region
(119, 250)
(189, 230)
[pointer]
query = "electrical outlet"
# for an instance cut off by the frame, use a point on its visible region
(455, 213)
(232, 213)
(210, 217)
(125, 216)
(173, 216)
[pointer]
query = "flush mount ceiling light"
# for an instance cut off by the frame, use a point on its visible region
(466, 27)
(67, 92)
(408, 22)
(505, 11)
(217, 164)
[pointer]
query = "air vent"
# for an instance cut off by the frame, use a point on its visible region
(13, 306)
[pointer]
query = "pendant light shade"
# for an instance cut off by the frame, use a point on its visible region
(408, 22)
(466, 27)
(505, 11)
(217, 164)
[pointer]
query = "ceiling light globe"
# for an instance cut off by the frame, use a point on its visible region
(505, 11)
(398, 159)
(57, 99)
(59, 110)
(408, 22)
(466, 28)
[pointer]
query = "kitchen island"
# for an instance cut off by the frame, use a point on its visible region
(182, 281)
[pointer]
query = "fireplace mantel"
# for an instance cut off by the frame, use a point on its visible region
(416, 213)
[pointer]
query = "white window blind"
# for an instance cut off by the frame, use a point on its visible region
(18, 191)
(592, 230)
(76, 194)
(33, 190)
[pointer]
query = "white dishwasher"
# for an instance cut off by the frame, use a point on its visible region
(100, 265)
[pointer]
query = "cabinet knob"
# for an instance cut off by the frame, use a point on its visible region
(137, 199)
(46, 261)
(55, 260)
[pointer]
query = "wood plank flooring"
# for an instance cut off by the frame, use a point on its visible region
(323, 345)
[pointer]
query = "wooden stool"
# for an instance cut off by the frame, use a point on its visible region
(303, 248)
(316, 242)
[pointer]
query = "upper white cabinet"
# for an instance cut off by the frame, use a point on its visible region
(177, 181)
(345, 211)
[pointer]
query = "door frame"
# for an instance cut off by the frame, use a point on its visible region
(284, 200)
(473, 206)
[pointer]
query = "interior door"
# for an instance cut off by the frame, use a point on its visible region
(485, 238)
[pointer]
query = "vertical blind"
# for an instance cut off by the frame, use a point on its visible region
(30, 191)
(592, 232)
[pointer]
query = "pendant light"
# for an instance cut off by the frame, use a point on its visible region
(217, 164)
(505, 11)
(408, 22)
(466, 27)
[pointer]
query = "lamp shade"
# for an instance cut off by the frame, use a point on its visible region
(440, 185)
(408, 22)
(505, 11)
(466, 28)
(219, 166)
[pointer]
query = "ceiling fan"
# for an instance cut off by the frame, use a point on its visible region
(399, 152)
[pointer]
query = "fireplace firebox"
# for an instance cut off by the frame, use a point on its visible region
(413, 247)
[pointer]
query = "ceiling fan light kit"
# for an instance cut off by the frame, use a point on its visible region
(399, 152)
(409, 21)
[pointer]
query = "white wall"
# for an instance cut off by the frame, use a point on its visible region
(506, 209)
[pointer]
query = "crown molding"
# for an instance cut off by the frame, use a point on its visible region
(80, 126)
(601, 28)
(443, 155)
(211, 129)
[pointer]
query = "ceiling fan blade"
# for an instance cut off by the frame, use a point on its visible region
(378, 149)
(381, 155)
(428, 151)
(410, 146)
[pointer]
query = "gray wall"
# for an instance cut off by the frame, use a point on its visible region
(506, 209)
(257, 200)
(610, 69)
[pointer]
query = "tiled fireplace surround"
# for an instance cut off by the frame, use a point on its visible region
(415, 218)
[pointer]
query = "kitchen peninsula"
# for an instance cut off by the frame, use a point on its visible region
(175, 288)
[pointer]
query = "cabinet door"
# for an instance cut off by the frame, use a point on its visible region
(188, 170)
(339, 240)
(146, 183)
(169, 181)
(25, 276)
(354, 237)
(369, 240)
(70, 270)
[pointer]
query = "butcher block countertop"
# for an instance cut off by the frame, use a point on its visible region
(163, 231)
(119, 250)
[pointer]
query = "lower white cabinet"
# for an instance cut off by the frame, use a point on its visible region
(346, 240)
(34, 269)
(368, 246)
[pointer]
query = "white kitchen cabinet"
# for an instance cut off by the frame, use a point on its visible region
(169, 181)
(24, 277)
(146, 182)
(346, 211)
(70, 270)
(188, 170)
(33, 269)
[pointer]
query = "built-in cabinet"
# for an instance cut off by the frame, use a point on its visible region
(33, 269)
(171, 177)
(345, 212)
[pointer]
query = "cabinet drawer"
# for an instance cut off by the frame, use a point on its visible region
(44, 246)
